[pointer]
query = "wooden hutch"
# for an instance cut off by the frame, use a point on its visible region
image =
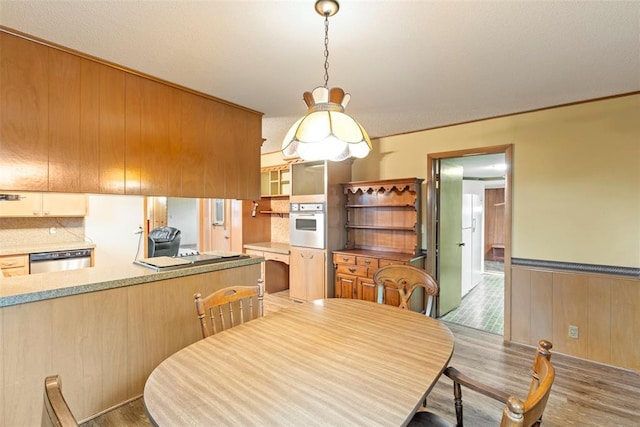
(383, 227)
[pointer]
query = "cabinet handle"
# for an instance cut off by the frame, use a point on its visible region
(345, 259)
(352, 270)
(367, 262)
(311, 257)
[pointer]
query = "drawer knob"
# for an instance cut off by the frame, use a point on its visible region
(345, 259)
(352, 270)
(367, 262)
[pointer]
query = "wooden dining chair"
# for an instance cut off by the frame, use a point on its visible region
(407, 278)
(56, 412)
(516, 412)
(228, 307)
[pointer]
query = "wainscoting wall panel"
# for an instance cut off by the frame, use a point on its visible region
(605, 308)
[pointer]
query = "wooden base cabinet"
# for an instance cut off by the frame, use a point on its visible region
(354, 275)
(14, 265)
(307, 274)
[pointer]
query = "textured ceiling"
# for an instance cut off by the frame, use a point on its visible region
(409, 65)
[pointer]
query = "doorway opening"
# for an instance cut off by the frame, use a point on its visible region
(469, 221)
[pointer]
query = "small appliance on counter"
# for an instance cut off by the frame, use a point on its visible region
(164, 263)
(163, 241)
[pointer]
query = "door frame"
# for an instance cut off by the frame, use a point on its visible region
(431, 215)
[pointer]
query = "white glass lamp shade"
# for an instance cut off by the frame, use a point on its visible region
(326, 133)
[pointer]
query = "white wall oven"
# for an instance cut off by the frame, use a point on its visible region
(307, 225)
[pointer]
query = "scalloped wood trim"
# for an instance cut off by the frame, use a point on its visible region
(403, 184)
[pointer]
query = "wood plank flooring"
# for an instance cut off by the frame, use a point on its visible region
(584, 393)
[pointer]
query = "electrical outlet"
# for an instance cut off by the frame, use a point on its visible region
(573, 332)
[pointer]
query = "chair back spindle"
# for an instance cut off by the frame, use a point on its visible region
(214, 309)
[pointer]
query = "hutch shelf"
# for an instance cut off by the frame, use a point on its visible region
(383, 227)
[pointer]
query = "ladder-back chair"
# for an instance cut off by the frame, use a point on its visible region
(228, 307)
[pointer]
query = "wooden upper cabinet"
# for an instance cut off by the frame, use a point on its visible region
(24, 114)
(89, 150)
(71, 123)
(112, 130)
(154, 131)
(64, 121)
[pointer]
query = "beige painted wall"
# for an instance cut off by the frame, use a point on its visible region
(576, 169)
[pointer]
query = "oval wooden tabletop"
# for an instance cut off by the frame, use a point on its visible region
(330, 362)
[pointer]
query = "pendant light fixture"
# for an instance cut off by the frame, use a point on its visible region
(326, 132)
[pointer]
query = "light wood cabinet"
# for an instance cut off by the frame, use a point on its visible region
(46, 204)
(72, 123)
(275, 181)
(14, 265)
(307, 274)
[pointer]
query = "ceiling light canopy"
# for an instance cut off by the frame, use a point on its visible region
(326, 132)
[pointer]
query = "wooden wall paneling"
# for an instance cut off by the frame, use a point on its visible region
(134, 154)
(216, 162)
(570, 307)
(494, 218)
(625, 323)
(89, 126)
(26, 347)
(192, 161)
(599, 300)
(521, 305)
(25, 115)
(112, 130)
(156, 98)
(112, 305)
(541, 319)
(168, 305)
(174, 149)
(64, 122)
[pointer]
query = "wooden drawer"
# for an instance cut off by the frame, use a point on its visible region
(14, 265)
(272, 256)
(13, 261)
(352, 269)
(344, 259)
(367, 262)
(385, 262)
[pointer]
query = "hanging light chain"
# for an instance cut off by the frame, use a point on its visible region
(326, 49)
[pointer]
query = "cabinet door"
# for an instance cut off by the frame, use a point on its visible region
(345, 286)
(64, 121)
(30, 204)
(60, 204)
(307, 274)
(391, 296)
(14, 265)
(366, 289)
(24, 93)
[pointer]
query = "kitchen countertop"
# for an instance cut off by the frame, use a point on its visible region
(276, 247)
(44, 247)
(36, 287)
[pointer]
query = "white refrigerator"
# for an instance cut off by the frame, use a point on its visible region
(472, 237)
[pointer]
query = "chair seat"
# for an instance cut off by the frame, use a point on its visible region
(428, 419)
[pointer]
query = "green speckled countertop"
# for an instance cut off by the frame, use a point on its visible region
(37, 287)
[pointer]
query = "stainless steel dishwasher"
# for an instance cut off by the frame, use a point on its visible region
(45, 262)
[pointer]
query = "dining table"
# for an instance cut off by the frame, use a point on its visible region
(334, 362)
